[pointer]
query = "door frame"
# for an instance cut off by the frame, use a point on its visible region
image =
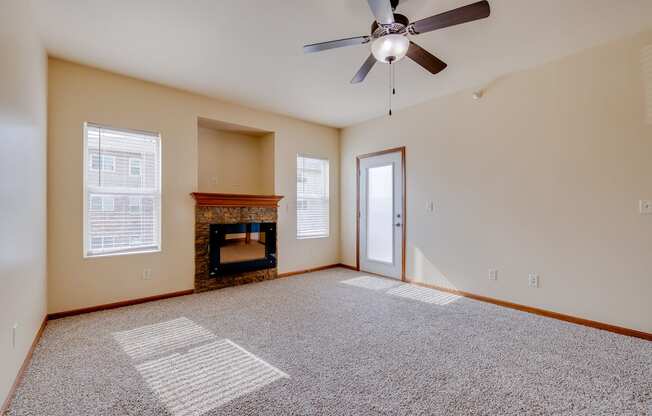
(400, 150)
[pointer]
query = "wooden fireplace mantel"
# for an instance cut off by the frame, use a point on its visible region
(235, 200)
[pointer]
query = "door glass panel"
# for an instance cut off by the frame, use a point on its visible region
(380, 214)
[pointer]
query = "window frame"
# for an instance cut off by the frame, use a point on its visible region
(296, 192)
(85, 241)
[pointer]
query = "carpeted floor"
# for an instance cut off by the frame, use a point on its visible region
(314, 344)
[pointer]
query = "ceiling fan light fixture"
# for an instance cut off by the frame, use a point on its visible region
(390, 48)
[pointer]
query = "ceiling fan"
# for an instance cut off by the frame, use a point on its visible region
(389, 35)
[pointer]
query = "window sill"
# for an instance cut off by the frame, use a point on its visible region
(129, 253)
(313, 237)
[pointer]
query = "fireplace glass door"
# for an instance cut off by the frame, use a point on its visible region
(243, 247)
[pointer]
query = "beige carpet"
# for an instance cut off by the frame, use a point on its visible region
(334, 342)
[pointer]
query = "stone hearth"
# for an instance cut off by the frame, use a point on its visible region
(228, 209)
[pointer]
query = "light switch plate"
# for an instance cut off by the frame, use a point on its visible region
(533, 280)
(645, 207)
(430, 206)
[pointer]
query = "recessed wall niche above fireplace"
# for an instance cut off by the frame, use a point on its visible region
(235, 239)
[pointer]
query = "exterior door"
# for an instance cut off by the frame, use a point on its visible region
(381, 216)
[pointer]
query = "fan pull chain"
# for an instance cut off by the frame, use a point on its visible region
(394, 80)
(391, 86)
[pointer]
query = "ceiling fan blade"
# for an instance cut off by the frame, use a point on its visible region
(424, 58)
(464, 14)
(322, 46)
(364, 70)
(382, 11)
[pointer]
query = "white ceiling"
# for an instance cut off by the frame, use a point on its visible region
(250, 52)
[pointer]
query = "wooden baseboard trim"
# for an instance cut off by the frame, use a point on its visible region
(58, 315)
(114, 305)
(314, 269)
(346, 266)
(21, 371)
(542, 312)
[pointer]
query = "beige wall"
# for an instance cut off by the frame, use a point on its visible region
(78, 94)
(267, 163)
(23, 68)
(543, 174)
(232, 162)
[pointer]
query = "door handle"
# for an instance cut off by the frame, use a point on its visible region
(398, 224)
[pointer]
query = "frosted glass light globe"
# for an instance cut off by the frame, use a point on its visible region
(390, 48)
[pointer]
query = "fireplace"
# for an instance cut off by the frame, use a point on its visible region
(243, 247)
(235, 239)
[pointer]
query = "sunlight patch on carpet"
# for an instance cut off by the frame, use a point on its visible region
(403, 290)
(207, 377)
(190, 370)
(161, 338)
(371, 282)
(423, 294)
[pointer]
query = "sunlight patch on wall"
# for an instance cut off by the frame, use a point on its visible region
(161, 338)
(646, 59)
(371, 282)
(192, 371)
(423, 294)
(207, 377)
(423, 270)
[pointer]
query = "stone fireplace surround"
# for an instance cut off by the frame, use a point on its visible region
(211, 208)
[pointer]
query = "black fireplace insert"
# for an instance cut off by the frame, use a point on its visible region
(237, 248)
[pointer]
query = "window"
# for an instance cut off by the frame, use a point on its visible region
(108, 203)
(312, 197)
(102, 203)
(122, 214)
(96, 203)
(96, 242)
(107, 162)
(134, 167)
(107, 242)
(134, 205)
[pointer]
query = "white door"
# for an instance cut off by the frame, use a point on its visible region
(381, 214)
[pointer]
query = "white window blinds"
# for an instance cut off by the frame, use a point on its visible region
(122, 187)
(312, 197)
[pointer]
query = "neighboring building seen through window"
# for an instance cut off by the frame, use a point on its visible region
(122, 191)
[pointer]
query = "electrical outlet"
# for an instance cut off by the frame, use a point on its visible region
(147, 274)
(533, 280)
(493, 274)
(645, 207)
(14, 329)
